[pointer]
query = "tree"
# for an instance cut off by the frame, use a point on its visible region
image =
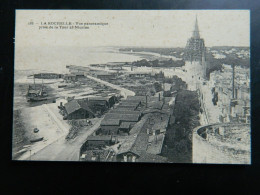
(157, 86)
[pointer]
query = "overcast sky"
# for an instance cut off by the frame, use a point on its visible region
(164, 28)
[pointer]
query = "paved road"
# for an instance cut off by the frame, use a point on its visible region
(62, 150)
(124, 92)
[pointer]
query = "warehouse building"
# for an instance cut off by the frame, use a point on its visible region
(77, 109)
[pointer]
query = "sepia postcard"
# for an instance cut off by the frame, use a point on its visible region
(154, 86)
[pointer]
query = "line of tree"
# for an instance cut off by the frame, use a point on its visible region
(178, 140)
(157, 63)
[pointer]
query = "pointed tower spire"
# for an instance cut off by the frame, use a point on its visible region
(196, 33)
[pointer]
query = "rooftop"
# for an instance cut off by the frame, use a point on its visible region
(161, 124)
(132, 106)
(110, 122)
(75, 105)
(123, 117)
(139, 73)
(100, 138)
(146, 157)
(140, 144)
(117, 111)
(125, 125)
(98, 98)
(156, 144)
(96, 155)
(123, 109)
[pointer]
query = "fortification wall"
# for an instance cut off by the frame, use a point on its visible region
(206, 152)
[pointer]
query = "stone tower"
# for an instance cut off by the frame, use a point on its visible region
(195, 62)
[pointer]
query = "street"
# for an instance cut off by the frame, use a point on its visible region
(63, 150)
(124, 92)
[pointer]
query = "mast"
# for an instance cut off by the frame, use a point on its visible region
(34, 81)
(233, 81)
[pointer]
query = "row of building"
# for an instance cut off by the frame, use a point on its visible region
(136, 129)
(232, 87)
(87, 108)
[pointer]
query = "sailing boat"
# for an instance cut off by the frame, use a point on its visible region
(34, 95)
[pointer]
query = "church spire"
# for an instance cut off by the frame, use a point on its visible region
(196, 33)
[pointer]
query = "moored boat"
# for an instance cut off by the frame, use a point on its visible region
(36, 140)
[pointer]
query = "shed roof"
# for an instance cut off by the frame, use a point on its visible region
(172, 119)
(146, 157)
(136, 98)
(143, 98)
(124, 109)
(156, 144)
(127, 144)
(70, 75)
(116, 111)
(149, 110)
(102, 154)
(123, 117)
(155, 105)
(75, 105)
(138, 73)
(162, 124)
(127, 106)
(78, 73)
(98, 98)
(100, 138)
(129, 103)
(105, 74)
(110, 122)
(125, 125)
(136, 144)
